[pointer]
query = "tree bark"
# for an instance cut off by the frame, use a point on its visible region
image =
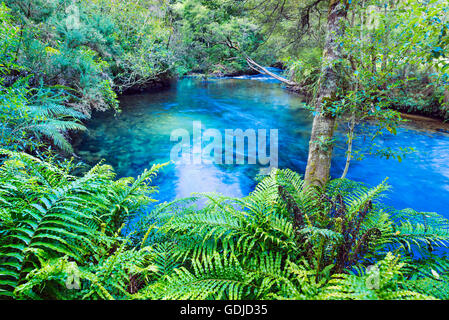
(321, 144)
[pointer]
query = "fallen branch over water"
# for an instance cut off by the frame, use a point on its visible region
(257, 67)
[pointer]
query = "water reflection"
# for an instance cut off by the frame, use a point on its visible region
(205, 178)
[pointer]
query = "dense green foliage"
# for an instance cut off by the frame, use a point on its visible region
(397, 48)
(282, 241)
(32, 117)
(91, 46)
(49, 214)
(287, 241)
(395, 58)
(204, 27)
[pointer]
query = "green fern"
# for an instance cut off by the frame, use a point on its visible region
(251, 243)
(385, 283)
(283, 241)
(50, 213)
(32, 117)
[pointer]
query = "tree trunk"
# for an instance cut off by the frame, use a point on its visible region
(321, 143)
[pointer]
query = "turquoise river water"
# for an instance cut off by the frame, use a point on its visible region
(140, 136)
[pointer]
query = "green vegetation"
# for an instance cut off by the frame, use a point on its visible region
(51, 220)
(30, 117)
(206, 27)
(282, 241)
(291, 238)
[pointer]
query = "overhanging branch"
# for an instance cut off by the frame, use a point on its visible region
(257, 67)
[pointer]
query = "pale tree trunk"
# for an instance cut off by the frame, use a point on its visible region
(321, 144)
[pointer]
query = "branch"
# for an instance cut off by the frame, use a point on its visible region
(263, 70)
(257, 67)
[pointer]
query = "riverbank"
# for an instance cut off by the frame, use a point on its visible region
(423, 123)
(417, 122)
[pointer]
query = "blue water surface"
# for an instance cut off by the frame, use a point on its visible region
(140, 136)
